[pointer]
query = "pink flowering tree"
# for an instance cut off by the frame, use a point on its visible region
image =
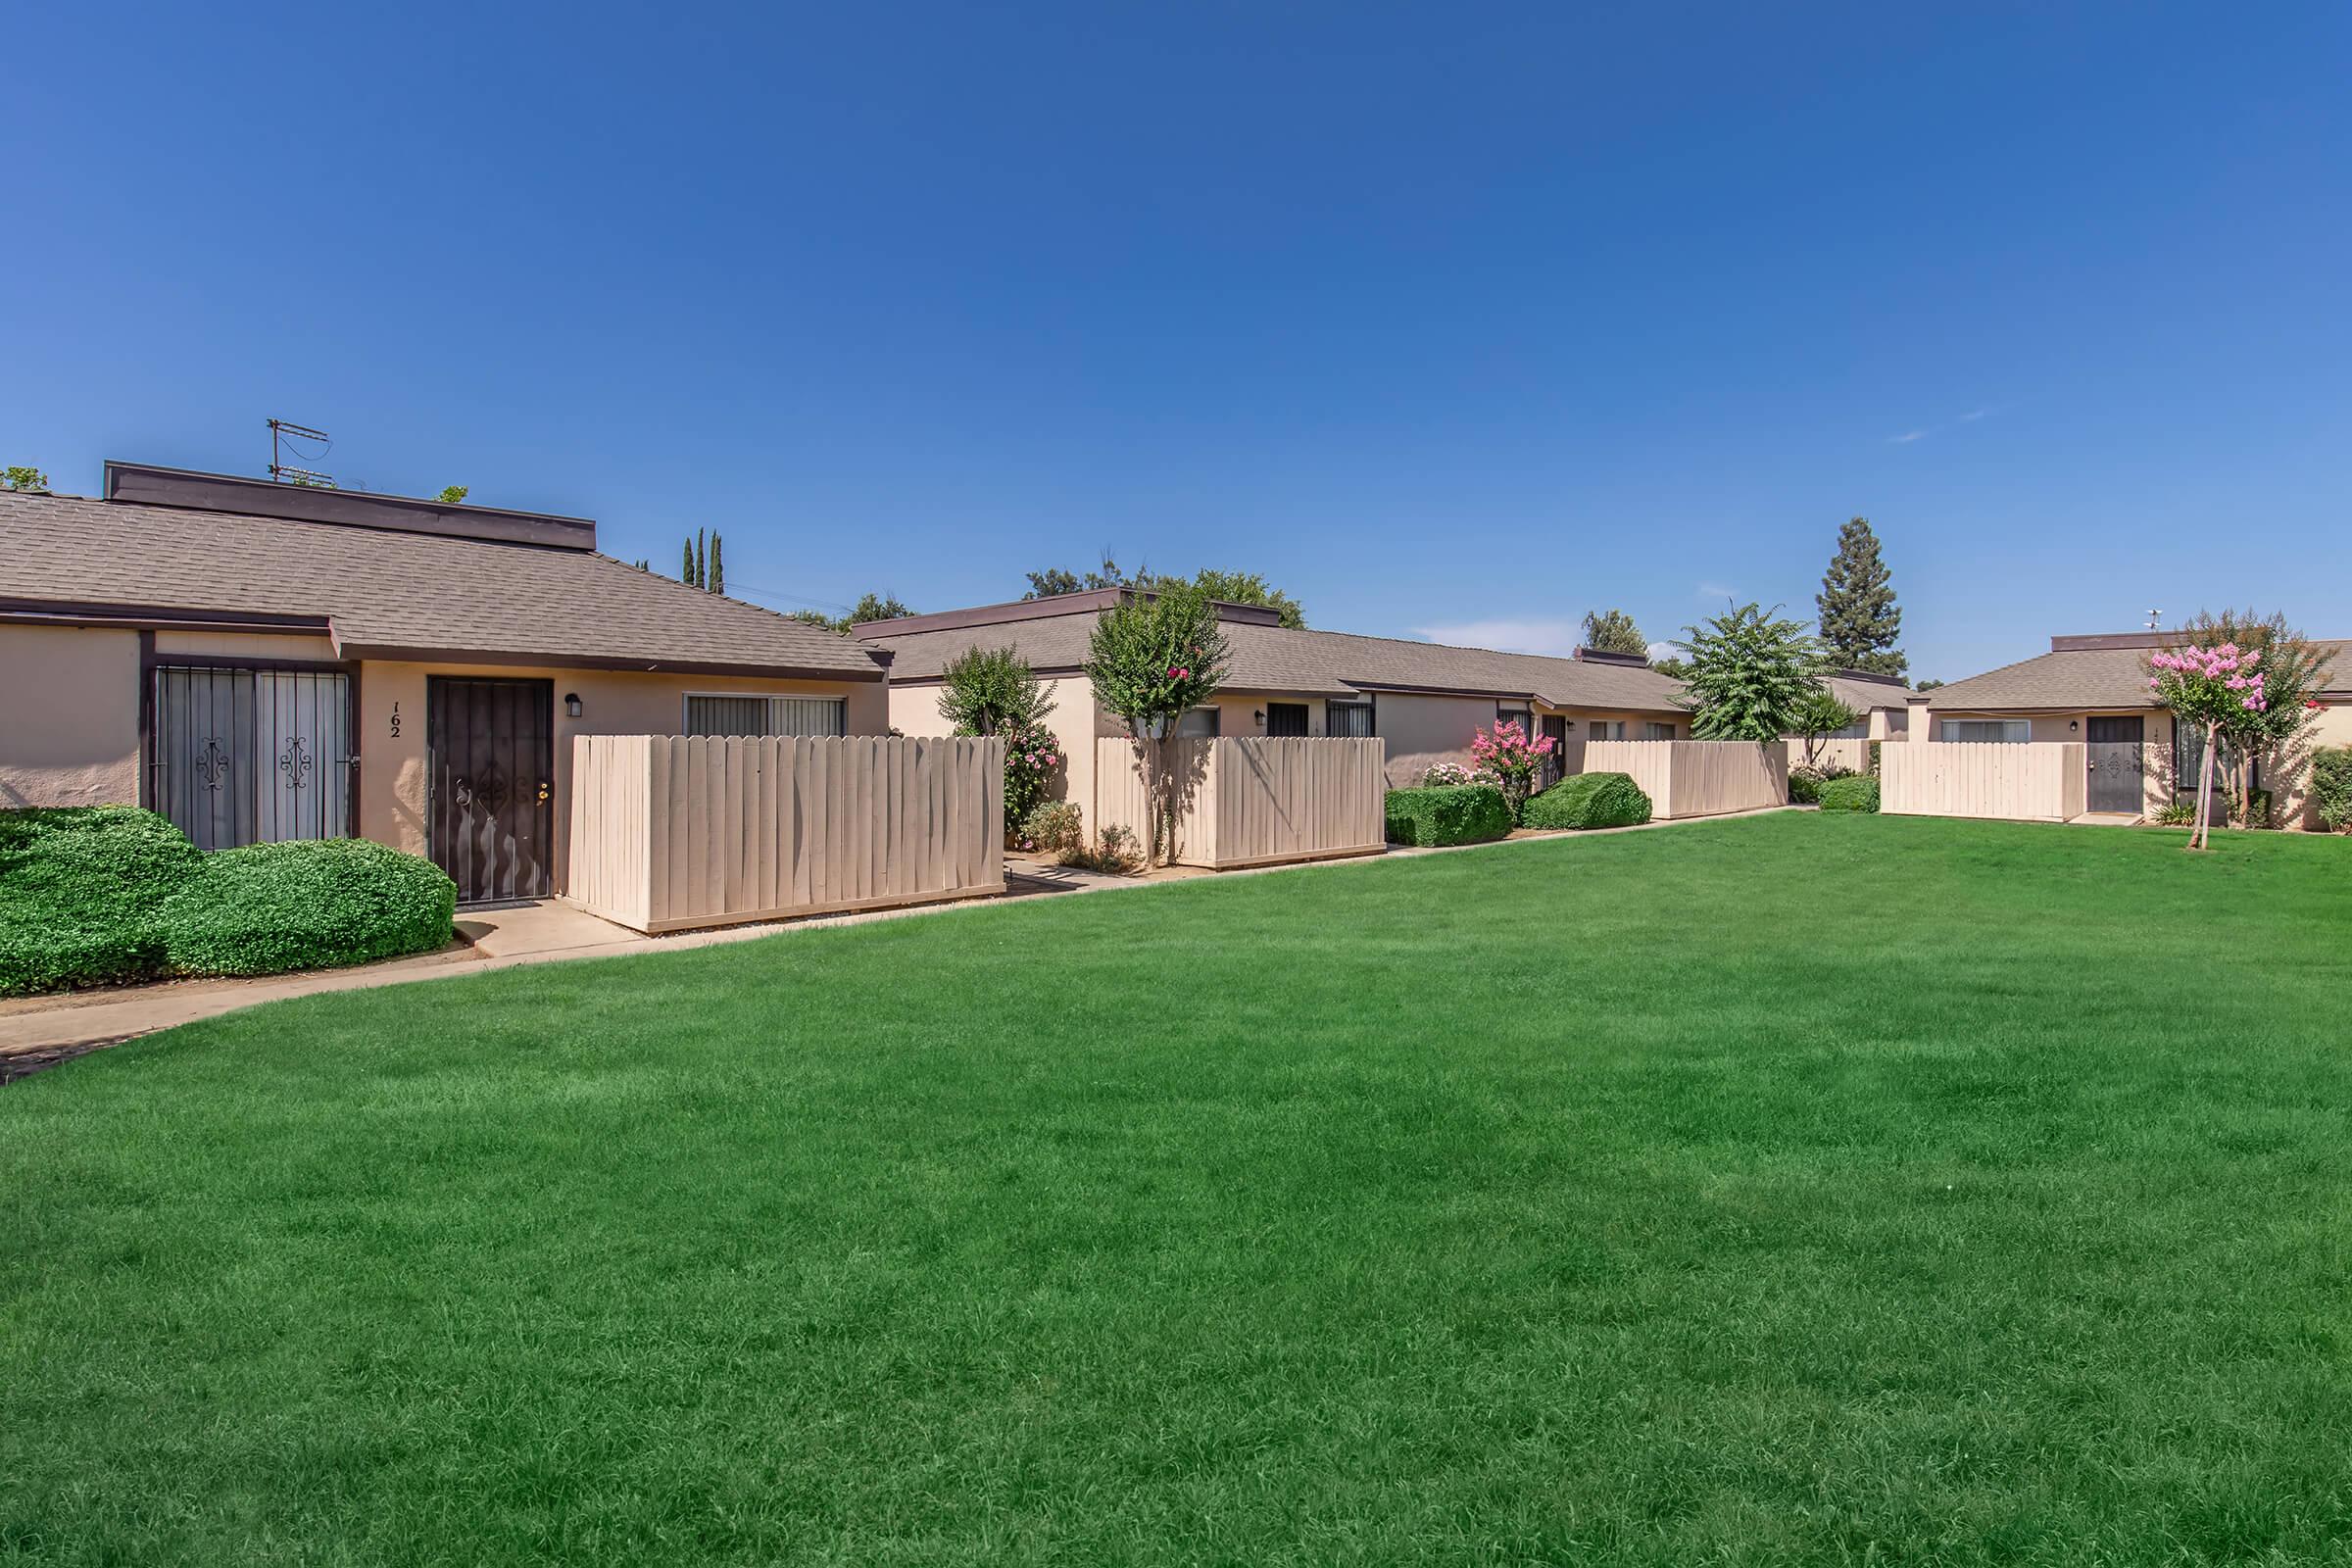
(1506, 756)
(2215, 689)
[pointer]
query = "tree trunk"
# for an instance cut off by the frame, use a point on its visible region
(2200, 838)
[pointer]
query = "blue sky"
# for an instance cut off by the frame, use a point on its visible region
(1453, 320)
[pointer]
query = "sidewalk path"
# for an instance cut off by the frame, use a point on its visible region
(37, 1032)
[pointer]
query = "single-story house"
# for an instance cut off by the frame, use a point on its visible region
(2094, 689)
(261, 661)
(1883, 700)
(1423, 699)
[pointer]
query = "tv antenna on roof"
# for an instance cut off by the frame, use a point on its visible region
(2155, 620)
(285, 438)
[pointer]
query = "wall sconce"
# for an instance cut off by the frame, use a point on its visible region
(2073, 724)
(1262, 718)
(572, 705)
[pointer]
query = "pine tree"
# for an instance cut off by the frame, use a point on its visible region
(1859, 618)
(718, 570)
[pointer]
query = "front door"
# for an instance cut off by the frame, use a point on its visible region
(1555, 761)
(490, 760)
(1286, 718)
(2117, 755)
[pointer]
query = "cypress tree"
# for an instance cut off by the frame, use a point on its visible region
(718, 570)
(686, 565)
(1859, 618)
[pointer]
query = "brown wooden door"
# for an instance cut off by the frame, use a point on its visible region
(490, 757)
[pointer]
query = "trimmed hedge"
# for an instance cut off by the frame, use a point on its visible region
(108, 894)
(1856, 792)
(1448, 814)
(79, 889)
(316, 904)
(1591, 800)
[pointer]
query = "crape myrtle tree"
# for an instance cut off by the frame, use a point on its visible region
(1748, 674)
(1859, 618)
(1152, 659)
(993, 691)
(2274, 736)
(1507, 755)
(2207, 687)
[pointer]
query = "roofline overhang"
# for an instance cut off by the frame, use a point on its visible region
(401, 653)
(159, 617)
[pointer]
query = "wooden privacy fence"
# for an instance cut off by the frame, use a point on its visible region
(2032, 781)
(1848, 752)
(669, 832)
(1254, 802)
(1696, 778)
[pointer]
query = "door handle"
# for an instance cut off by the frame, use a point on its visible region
(544, 790)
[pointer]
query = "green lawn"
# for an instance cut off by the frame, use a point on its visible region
(1791, 1188)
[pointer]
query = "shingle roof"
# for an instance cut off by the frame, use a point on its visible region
(2082, 678)
(1864, 694)
(389, 593)
(1316, 663)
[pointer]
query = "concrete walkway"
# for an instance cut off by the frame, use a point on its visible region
(37, 1031)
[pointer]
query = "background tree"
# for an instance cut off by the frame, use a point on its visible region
(453, 495)
(1612, 631)
(716, 580)
(687, 574)
(1925, 685)
(875, 607)
(1673, 666)
(1233, 587)
(21, 477)
(1859, 618)
(1819, 716)
(1150, 662)
(1748, 674)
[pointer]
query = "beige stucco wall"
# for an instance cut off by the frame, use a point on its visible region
(392, 767)
(69, 716)
(245, 645)
(915, 711)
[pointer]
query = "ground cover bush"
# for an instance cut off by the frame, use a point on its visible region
(1448, 814)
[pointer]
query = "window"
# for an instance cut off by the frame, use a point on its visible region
(2189, 756)
(252, 755)
(1200, 723)
(1348, 718)
(1898, 721)
(2012, 731)
(1655, 731)
(1515, 715)
(750, 714)
(1286, 719)
(1604, 729)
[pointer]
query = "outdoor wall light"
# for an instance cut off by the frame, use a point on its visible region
(572, 705)
(1262, 718)
(2073, 724)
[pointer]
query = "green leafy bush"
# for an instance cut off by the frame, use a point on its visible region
(1452, 813)
(1591, 800)
(2332, 788)
(1054, 828)
(79, 888)
(1805, 783)
(1856, 792)
(2179, 811)
(311, 905)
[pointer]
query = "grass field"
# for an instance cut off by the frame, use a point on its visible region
(1786, 1190)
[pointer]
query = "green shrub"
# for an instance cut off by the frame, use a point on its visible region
(2332, 788)
(79, 890)
(1805, 783)
(1056, 828)
(1591, 800)
(311, 905)
(2179, 811)
(1856, 792)
(1449, 814)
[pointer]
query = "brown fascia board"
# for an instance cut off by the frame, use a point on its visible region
(1868, 674)
(391, 652)
(148, 484)
(1086, 602)
(1408, 689)
(2095, 641)
(72, 612)
(1595, 655)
